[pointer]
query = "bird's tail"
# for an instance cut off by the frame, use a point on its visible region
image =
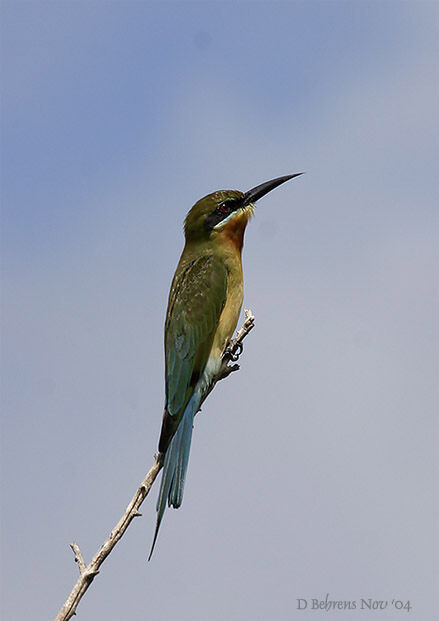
(175, 465)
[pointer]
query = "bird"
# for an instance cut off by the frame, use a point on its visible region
(204, 304)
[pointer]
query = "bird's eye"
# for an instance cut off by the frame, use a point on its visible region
(224, 208)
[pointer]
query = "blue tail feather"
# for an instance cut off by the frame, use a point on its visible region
(175, 465)
(177, 487)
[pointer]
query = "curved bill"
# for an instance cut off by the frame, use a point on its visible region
(259, 191)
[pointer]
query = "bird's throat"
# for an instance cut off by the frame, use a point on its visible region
(232, 233)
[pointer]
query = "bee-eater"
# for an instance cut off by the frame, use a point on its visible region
(203, 309)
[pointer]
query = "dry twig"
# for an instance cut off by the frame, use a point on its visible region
(88, 572)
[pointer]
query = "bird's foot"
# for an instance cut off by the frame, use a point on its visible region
(233, 350)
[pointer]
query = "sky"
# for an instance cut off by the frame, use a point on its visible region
(313, 470)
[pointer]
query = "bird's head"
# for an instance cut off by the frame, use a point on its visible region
(225, 213)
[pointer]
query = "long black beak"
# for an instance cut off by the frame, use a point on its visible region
(259, 191)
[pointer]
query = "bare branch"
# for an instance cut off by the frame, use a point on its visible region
(88, 572)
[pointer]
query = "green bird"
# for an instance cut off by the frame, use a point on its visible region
(203, 309)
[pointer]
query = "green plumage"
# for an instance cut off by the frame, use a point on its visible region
(197, 297)
(196, 300)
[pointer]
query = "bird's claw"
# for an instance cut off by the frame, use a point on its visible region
(235, 351)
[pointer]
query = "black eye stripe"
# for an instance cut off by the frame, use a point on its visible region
(222, 210)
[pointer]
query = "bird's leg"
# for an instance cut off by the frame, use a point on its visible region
(235, 347)
(231, 353)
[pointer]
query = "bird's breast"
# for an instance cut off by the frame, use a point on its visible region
(230, 313)
(226, 326)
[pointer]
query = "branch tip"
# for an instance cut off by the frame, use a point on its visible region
(78, 557)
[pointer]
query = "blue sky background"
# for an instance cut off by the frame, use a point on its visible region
(313, 470)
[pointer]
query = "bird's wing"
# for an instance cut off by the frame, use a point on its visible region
(197, 297)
